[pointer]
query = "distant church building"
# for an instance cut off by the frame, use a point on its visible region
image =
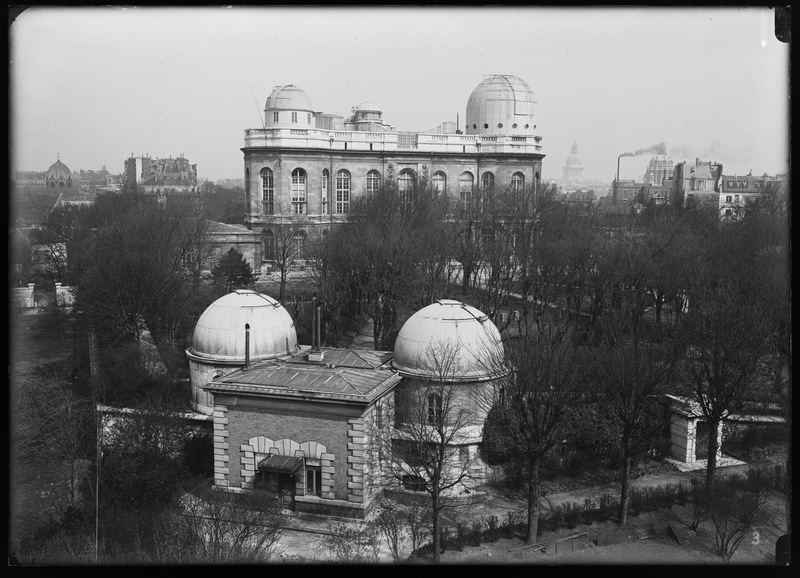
(302, 422)
(573, 169)
(306, 167)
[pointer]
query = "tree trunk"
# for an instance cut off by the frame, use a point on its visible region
(436, 537)
(713, 446)
(624, 497)
(533, 500)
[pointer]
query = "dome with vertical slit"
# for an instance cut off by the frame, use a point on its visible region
(220, 334)
(449, 341)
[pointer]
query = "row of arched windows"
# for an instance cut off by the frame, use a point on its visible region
(343, 183)
(295, 249)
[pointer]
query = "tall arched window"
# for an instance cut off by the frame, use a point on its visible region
(373, 181)
(267, 192)
(342, 192)
(247, 188)
(299, 192)
(299, 240)
(268, 240)
(487, 181)
(324, 192)
(465, 182)
(517, 182)
(439, 182)
(405, 187)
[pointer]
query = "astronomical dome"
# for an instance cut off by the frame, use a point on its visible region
(449, 328)
(368, 107)
(220, 335)
(501, 105)
(288, 97)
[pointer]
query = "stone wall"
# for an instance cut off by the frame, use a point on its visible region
(23, 296)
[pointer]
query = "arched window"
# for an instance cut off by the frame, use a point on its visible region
(517, 182)
(434, 409)
(267, 192)
(405, 187)
(324, 192)
(299, 192)
(373, 181)
(268, 240)
(299, 240)
(487, 181)
(342, 192)
(465, 188)
(439, 181)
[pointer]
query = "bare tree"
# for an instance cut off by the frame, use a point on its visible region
(434, 419)
(289, 243)
(727, 334)
(224, 527)
(633, 375)
(547, 379)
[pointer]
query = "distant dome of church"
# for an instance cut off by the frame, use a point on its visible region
(449, 341)
(572, 159)
(660, 167)
(220, 333)
(501, 105)
(288, 97)
(58, 172)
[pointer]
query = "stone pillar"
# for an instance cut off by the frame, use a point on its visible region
(355, 461)
(248, 471)
(683, 436)
(221, 446)
(327, 470)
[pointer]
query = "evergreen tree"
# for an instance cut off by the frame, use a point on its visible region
(232, 271)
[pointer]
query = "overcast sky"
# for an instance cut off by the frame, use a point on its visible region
(95, 85)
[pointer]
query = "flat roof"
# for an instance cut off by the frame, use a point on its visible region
(343, 375)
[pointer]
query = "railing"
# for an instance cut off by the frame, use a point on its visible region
(389, 141)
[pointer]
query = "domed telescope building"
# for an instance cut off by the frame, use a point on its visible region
(451, 358)
(309, 423)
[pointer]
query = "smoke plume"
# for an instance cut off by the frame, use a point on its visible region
(656, 149)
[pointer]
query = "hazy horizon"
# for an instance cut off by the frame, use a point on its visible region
(96, 85)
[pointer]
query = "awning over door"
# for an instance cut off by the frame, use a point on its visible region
(280, 464)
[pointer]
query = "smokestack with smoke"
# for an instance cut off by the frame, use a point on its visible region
(656, 149)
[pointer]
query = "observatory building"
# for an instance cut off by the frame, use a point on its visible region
(306, 422)
(306, 167)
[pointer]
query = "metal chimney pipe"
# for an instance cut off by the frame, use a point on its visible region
(319, 325)
(314, 321)
(246, 345)
(618, 158)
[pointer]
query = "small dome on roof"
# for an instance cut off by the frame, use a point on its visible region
(449, 341)
(58, 171)
(220, 333)
(368, 107)
(288, 97)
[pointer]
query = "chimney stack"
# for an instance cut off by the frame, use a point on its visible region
(316, 353)
(246, 346)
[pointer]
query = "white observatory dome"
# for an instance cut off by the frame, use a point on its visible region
(449, 341)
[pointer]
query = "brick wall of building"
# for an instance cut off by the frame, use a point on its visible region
(244, 423)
